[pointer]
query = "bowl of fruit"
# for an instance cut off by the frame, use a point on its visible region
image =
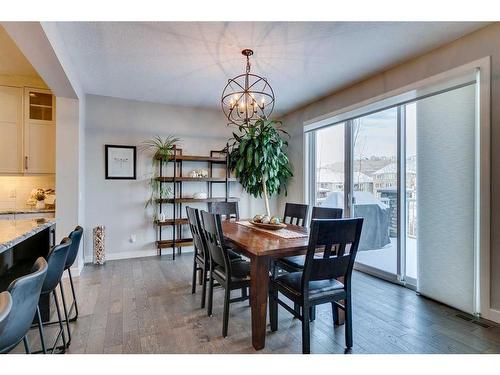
(268, 222)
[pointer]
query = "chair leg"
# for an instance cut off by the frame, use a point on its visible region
(203, 286)
(334, 314)
(193, 281)
(348, 321)
(312, 313)
(26, 345)
(305, 330)
(74, 297)
(225, 318)
(65, 309)
(210, 293)
(273, 309)
(40, 329)
(61, 327)
(244, 293)
(296, 308)
(200, 280)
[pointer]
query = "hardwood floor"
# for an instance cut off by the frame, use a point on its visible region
(145, 305)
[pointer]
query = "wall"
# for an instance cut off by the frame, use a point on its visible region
(15, 190)
(119, 205)
(481, 43)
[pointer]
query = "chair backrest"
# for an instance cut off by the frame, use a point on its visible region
(326, 213)
(5, 308)
(25, 293)
(227, 209)
(343, 234)
(75, 236)
(200, 247)
(56, 260)
(296, 213)
(211, 224)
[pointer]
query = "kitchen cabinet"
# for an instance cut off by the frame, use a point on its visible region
(39, 132)
(28, 131)
(11, 129)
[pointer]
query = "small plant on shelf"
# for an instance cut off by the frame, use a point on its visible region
(258, 159)
(161, 149)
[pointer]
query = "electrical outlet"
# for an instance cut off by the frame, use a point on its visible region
(133, 238)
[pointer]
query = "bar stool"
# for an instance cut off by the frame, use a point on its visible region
(56, 261)
(5, 308)
(25, 293)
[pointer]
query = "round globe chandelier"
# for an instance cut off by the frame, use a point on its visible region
(247, 97)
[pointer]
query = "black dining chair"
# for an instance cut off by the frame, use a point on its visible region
(56, 261)
(25, 293)
(227, 210)
(201, 259)
(5, 308)
(296, 263)
(318, 283)
(296, 214)
(229, 274)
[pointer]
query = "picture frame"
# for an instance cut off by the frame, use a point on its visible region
(120, 162)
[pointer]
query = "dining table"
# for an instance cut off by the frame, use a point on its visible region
(262, 247)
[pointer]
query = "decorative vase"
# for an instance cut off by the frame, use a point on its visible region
(99, 245)
(40, 205)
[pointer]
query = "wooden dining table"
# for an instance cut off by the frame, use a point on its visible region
(262, 247)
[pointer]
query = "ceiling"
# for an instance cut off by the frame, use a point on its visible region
(188, 63)
(12, 60)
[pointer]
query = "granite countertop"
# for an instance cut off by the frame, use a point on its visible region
(27, 210)
(13, 232)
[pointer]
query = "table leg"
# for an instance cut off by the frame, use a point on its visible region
(259, 285)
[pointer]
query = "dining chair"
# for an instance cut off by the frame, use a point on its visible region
(25, 293)
(318, 282)
(201, 259)
(229, 274)
(229, 210)
(296, 214)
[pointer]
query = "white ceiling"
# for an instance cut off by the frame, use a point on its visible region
(188, 63)
(12, 61)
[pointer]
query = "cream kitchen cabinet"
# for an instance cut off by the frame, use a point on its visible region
(39, 132)
(27, 131)
(11, 129)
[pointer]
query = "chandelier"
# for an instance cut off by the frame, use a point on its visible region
(247, 97)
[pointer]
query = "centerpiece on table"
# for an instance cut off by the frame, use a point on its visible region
(258, 159)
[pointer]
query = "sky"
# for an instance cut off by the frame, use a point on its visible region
(377, 137)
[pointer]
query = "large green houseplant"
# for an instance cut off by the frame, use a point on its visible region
(160, 149)
(257, 157)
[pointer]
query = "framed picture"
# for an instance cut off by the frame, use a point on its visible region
(120, 162)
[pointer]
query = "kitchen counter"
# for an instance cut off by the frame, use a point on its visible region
(27, 210)
(12, 232)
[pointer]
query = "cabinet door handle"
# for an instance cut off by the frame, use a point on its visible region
(26, 162)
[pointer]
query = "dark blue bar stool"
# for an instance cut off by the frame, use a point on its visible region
(56, 260)
(25, 293)
(75, 236)
(5, 309)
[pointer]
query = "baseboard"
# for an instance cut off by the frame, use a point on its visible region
(493, 315)
(134, 254)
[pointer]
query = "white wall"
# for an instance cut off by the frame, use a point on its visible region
(119, 205)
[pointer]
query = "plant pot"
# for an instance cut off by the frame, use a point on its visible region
(40, 205)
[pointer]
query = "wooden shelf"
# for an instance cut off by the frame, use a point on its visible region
(193, 200)
(211, 159)
(178, 243)
(171, 222)
(195, 179)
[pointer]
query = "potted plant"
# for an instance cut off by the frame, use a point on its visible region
(258, 159)
(160, 149)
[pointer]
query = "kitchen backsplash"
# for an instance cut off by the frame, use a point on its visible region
(15, 190)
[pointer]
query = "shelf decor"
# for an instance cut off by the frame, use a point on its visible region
(171, 207)
(259, 161)
(247, 97)
(120, 162)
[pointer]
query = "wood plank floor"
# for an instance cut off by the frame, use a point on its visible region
(145, 305)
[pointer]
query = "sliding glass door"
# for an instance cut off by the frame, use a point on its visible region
(410, 172)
